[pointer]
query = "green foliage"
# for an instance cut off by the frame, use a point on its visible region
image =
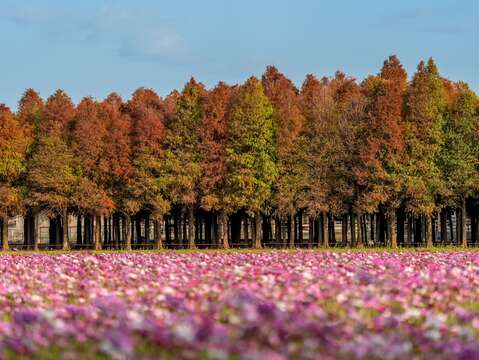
(459, 158)
(425, 119)
(181, 159)
(51, 177)
(250, 162)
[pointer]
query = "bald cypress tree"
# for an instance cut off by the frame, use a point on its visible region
(460, 153)
(90, 198)
(13, 149)
(51, 175)
(117, 164)
(288, 120)
(147, 112)
(30, 112)
(213, 135)
(425, 119)
(379, 169)
(250, 162)
(181, 160)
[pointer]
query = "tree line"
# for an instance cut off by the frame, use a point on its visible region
(394, 159)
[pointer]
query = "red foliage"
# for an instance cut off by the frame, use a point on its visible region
(148, 114)
(59, 111)
(213, 144)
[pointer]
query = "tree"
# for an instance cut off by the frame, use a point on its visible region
(182, 155)
(29, 114)
(460, 152)
(86, 138)
(51, 179)
(51, 174)
(149, 185)
(116, 163)
(250, 161)
(13, 148)
(317, 106)
(425, 111)
(213, 141)
(288, 120)
(379, 168)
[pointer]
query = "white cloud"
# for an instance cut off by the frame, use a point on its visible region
(135, 34)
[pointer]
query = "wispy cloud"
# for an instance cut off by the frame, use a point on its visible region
(155, 44)
(129, 33)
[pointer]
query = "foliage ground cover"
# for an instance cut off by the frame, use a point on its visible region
(240, 305)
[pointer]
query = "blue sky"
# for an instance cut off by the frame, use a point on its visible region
(94, 47)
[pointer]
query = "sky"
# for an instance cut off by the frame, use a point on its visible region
(91, 48)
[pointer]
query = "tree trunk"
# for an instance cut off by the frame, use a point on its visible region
(353, 229)
(463, 223)
(65, 242)
(105, 231)
(443, 219)
(451, 225)
(300, 227)
(344, 231)
(409, 230)
(428, 231)
(129, 233)
(158, 245)
(372, 228)
(116, 228)
(97, 231)
(191, 227)
(167, 230)
(310, 232)
(137, 221)
(224, 230)
(5, 246)
(120, 244)
(458, 227)
(400, 225)
(147, 229)
(79, 231)
(321, 230)
(214, 229)
(245, 229)
(176, 228)
(332, 228)
(392, 229)
(327, 232)
(26, 230)
(184, 232)
(277, 230)
(84, 237)
(292, 230)
(257, 230)
(362, 232)
(35, 231)
(379, 234)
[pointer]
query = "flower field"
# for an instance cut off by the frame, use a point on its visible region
(240, 305)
